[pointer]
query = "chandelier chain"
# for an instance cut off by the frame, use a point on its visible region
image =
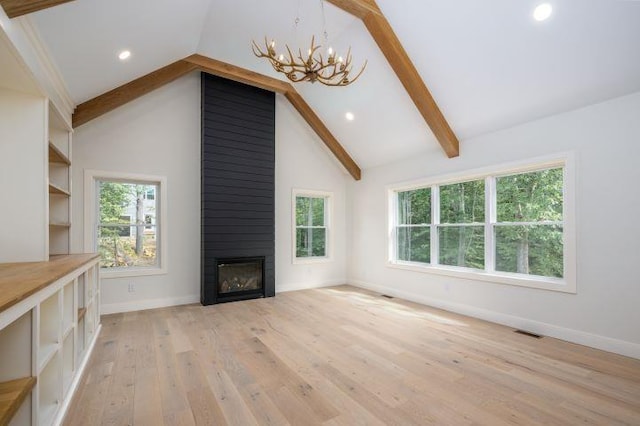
(324, 23)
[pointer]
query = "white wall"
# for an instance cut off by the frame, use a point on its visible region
(604, 313)
(302, 162)
(158, 134)
(23, 180)
(163, 128)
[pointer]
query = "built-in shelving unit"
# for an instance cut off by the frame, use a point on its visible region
(44, 344)
(44, 338)
(59, 185)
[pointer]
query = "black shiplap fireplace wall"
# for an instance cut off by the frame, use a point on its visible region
(238, 180)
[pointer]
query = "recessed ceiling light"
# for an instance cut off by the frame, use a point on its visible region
(124, 55)
(542, 12)
(349, 116)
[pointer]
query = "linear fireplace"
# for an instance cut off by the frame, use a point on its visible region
(235, 278)
(240, 277)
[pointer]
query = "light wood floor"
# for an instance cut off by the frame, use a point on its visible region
(343, 356)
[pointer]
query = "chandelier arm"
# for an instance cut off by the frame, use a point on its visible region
(329, 83)
(291, 57)
(293, 76)
(329, 66)
(257, 51)
(360, 73)
(341, 82)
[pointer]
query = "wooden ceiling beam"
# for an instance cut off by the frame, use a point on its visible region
(241, 75)
(392, 49)
(358, 8)
(15, 8)
(119, 96)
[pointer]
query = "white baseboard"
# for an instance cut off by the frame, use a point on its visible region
(282, 288)
(140, 305)
(621, 347)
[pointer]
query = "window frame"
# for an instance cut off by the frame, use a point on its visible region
(328, 215)
(567, 284)
(91, 217)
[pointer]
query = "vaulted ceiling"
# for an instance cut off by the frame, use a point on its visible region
(488, 64)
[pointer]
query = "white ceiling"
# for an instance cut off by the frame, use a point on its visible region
(488, 64)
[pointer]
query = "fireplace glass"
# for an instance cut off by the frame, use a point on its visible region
(240, 275)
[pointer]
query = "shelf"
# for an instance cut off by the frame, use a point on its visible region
(57, 156)
(12, 395)
(81, 313)
(60, 225)
(55, 189)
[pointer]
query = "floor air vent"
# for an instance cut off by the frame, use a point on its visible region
(528, 333)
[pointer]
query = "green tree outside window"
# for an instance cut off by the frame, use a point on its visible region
(311, 229)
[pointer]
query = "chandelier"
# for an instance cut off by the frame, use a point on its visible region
(332, 70)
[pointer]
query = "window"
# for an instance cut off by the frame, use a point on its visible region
(413, 229)
(125, 224)
(528, 230)
(461, 227)
(123, 242)
(311, 225)
(512, 226)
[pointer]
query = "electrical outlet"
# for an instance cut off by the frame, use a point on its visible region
(131, 288)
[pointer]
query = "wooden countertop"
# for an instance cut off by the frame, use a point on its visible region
(20, 280)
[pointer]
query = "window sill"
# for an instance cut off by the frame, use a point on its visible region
(542, 283)
(311, 260)
(133, 272)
